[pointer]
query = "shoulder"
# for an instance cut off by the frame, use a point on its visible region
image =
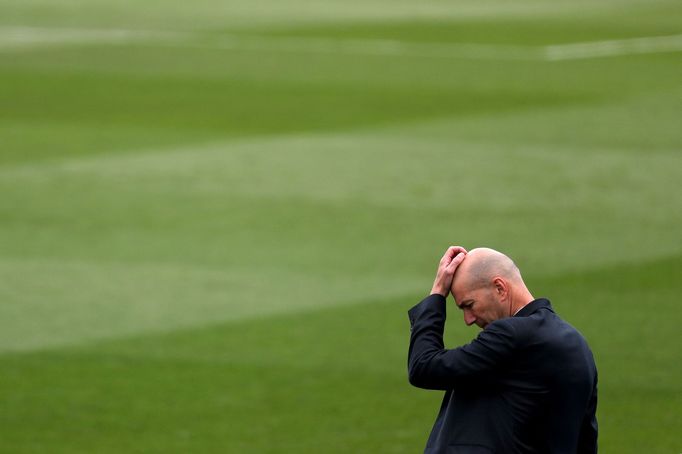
(523, 328)
(503, 330)
(544, 328)
(515, 326)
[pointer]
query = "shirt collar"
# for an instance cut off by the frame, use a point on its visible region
(534, 306)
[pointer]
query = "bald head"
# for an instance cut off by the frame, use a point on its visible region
(487, 286)
(481, 266)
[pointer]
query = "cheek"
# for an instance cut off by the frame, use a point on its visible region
(488, 308)
(481, 312)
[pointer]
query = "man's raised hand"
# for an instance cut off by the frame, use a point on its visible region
(446, 270)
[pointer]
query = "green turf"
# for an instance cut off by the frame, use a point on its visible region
(209, 243)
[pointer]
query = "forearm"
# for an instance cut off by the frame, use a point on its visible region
(427, 323)
(427, 320)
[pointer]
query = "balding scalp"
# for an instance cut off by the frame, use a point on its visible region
(482, 265)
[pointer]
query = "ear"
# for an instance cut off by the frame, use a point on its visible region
(501, 287)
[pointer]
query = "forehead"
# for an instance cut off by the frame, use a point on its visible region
(463, 293)
(458, 289)
(462, 282)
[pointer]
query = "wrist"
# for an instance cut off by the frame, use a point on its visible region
(435, 290)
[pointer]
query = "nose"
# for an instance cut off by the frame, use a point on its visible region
(469, 318)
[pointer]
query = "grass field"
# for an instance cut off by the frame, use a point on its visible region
(214, 216)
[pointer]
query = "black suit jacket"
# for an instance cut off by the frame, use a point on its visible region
(526, 384)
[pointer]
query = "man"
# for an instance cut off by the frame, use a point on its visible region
(526, 384)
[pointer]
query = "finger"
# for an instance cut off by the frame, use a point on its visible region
(454, 250)
(447, 257)
(452, 266)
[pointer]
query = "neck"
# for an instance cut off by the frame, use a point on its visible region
(519, 301)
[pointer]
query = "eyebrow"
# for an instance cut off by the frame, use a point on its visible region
(465, 303)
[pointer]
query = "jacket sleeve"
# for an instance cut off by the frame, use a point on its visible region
(431, 366)
(587, 442)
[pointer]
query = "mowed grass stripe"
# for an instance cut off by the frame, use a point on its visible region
(645, 121)
(80, 302)
(367, 167)
(211, 14)
(191, 106)
(160, 198)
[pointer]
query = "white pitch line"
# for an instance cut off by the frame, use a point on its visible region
(612, 48)
(22, 38)
(18, 38)
(376, 47)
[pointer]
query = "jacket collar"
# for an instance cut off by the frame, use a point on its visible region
(534, 306)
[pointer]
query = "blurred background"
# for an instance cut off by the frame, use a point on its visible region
(214, 215)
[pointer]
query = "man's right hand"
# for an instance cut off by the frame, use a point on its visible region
(446, 270)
